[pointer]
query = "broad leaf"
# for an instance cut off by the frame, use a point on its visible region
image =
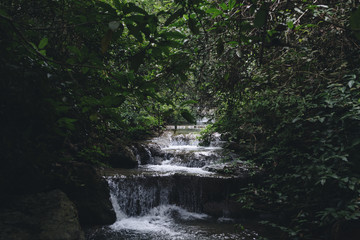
(224, 6)
(355, 22)
(188, 102)
(215, 12)
(232, 4)
(137, 60)
(192, 25)
(131, 7)
(187, 116)
(260, 16)
(220, 47)
(113, 101)
(105, 42)
(175, 35)
(43, 43)
(174, 16)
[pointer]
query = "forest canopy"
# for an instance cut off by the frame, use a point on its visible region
(282, 78)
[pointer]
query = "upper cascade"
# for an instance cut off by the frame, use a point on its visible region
(185, 136)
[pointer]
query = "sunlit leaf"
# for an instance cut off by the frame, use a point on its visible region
(290, 25)
(43, 43)
(223, 6)
(189, 102)
(42, 52)
(215, 12)
(232, 4)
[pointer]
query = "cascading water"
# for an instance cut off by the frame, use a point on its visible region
(173, 196)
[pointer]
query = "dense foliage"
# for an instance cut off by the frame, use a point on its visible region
(286, 76)
(78, 77)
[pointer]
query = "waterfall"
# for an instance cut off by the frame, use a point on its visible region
(172, 195)
(114, 198)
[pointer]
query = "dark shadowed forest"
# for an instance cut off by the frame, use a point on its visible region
(279, 80)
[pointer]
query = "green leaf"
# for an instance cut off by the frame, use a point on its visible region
(106, 7)
(290, 25)
(233, 43)
(131, 7)
(84, 70)
(137, 60)
(105, 42)
(187, 116)
(219, 46)
(135, 31)
(94, 117)
(174, 16)
(175, 35)
(156, 52)
(188, 102)
(74, 50)
(224, 6)
(43, 52)
(43, 43)
(3, 13)
(66, 122)
(261, 16)
(119, 6)
(139, 19)
(215, 12)
(232, 4)
(192, 25)
(113, 101)
(355, 22)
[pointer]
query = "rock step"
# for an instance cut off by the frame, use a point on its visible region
(137, 194)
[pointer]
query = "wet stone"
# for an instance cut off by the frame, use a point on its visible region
(180, 191)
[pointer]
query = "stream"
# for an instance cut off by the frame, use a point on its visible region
(174, 194)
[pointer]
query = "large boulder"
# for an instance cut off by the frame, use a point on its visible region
(142, 153)
(148, 153)
(40, 216)
(123, 157)
(89, 191)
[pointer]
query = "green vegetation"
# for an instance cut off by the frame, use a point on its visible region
(286, 77)
(79, 76)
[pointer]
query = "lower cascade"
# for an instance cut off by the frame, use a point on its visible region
(174, 195)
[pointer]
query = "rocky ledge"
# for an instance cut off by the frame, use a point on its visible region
(73, 196)
(41, 216)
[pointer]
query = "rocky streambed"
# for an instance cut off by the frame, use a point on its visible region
(167, 188)
(180, 190)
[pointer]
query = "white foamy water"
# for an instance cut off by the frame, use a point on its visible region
(118, 212)
(142, 199)
(190, 148)
(159, 220)
(172, 169)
